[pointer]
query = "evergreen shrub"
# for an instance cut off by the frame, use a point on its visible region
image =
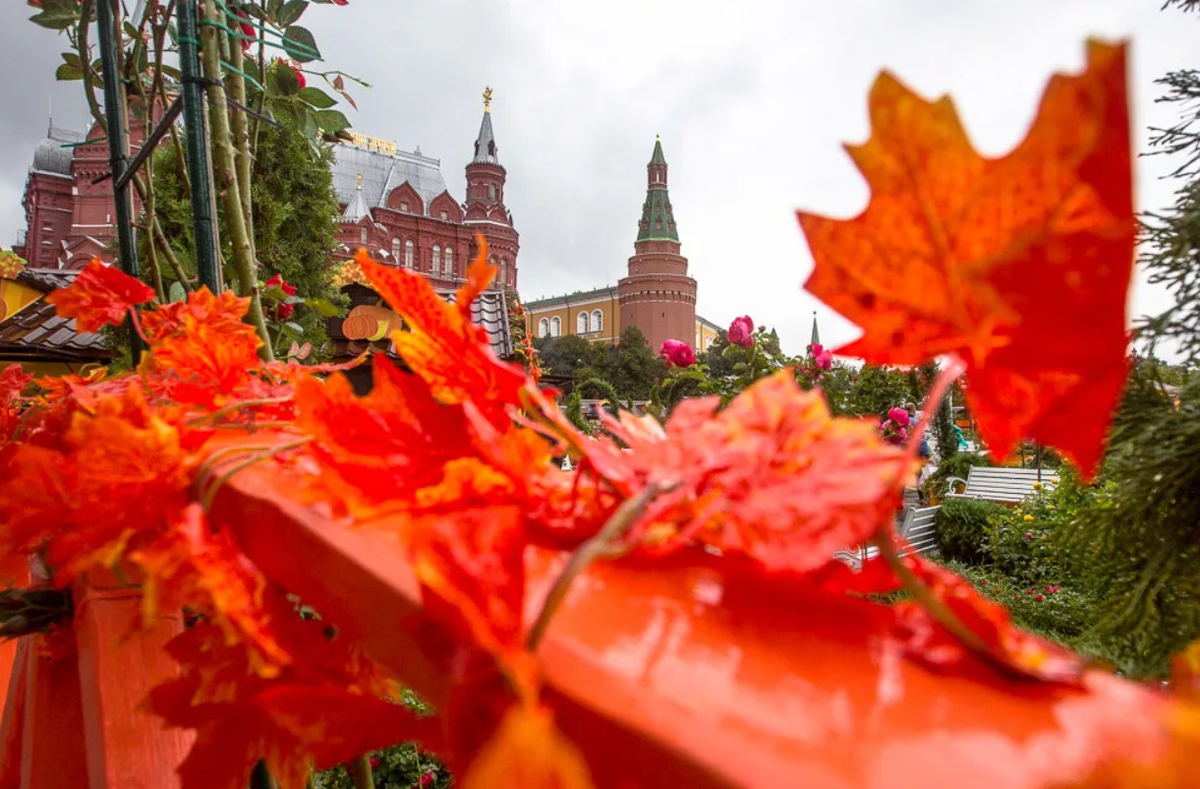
(962, 528)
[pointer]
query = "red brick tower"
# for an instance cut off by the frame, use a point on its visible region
(484, 208)
(658, 296)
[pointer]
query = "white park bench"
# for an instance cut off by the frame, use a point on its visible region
(1002, 484)
(917, 530)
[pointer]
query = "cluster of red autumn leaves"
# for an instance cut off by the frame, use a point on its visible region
(455, 454)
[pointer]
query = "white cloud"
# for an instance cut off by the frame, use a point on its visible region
(753, 101)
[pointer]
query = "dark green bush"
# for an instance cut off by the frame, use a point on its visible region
(962, 528)
(1060, 612)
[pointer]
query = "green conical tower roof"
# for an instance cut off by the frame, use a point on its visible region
(658, 221)
(658, 157)
(816, 337)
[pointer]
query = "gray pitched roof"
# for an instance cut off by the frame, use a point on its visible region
(356, 209)
(381, 172)
(36, 333)
(485, 143)
(490, 311)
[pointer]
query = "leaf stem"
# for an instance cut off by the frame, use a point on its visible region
(937, 609)
(208, 495)
(238, 406)
(604, 544)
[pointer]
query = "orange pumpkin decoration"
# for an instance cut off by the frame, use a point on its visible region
(365, 321)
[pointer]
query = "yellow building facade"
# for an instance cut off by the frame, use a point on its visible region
(595, 315)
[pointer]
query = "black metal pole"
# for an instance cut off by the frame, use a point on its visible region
(204, 228)
(118, 153)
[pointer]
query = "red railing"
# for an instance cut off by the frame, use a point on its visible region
(657, 684)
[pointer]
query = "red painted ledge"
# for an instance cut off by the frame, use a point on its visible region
(681, 675)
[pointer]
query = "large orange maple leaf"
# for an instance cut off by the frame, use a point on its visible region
(1019, 265)
(327, 707)
(440, 343)
(99, 295)
(774, 476)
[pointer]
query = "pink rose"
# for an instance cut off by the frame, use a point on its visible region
(677, 354)
(741, 332)
(899, 416)
(427, 778)
(374, 762)
(822, 359)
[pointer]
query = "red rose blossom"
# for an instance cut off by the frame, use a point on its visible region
(741, 332)
(277, 281)
(822, 359)
(677, 354)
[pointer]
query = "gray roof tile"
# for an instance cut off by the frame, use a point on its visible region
(382, 172)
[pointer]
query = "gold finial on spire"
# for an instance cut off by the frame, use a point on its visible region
(360, 182)
(487, 99)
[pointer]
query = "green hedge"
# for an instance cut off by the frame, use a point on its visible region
(962, 529)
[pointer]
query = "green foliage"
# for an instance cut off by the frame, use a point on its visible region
(602, 388)
(399, 767)
(564, 356)
(944, 432)
(959, 465)
(875, 390)
(962, 528)
(1141, 539)
(638, 367)
(631, 368)
(1061, 615)
(57, 14)
(573, 409)
(295, 214)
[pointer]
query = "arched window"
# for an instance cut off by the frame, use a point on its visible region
(504, 275)
(543, 327)
(555, 326)
(449, 261)
(597, 320)
(491, 192)
(437, 259)
(581, 323)
(408, 254)
(362, 236)
(396, 250)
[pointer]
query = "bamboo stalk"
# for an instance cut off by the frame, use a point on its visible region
(223, 171)
(360, 772)
(235, 84)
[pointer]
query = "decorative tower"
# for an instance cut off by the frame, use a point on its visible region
(484, 211)
(658, 296)
(816, 335)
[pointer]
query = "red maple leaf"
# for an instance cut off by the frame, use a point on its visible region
(382, 447)
(99, 295)
(1020, 265)
(441, 343)
(772, 476)
(118, 472)
(192, 565)
(989, 625)
(325, 708)
(202, 350)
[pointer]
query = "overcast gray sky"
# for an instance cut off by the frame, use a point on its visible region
(752, 99)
